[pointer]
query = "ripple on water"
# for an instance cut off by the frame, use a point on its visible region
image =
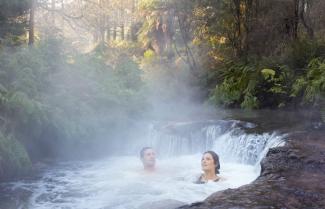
(120, 183)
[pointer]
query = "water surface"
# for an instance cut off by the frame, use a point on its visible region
(121, 183)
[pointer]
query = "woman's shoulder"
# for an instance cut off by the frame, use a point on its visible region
(199, 180)
(221, 178)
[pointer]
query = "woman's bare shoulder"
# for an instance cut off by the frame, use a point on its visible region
(222, 178)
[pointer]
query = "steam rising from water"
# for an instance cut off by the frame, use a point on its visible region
(120, 182)
(227, 138)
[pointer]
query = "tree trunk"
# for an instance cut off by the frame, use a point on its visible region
(303, 11)
(31, 35)
(62, 19)
(101, 23)
(108, 31)
(114, 32)
(295, 19)
(107, 22)
(122, 32)
(238, 40)
(53, 13)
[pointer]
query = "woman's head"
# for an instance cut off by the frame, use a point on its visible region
(210, 161)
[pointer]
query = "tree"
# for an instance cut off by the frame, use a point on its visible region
(13, 19)
(31, 23)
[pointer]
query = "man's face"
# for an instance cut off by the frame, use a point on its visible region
(149, 159)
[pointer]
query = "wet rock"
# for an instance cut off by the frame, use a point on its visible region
(293, 156)
(292, 177)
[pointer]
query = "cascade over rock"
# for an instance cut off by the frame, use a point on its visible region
(292, 176)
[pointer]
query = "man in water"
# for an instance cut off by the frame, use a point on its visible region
(148, 158)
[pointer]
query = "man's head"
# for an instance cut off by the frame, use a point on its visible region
(148, 158)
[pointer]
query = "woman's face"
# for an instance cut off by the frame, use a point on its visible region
(207, 163)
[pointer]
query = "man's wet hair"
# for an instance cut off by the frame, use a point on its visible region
(143, 150)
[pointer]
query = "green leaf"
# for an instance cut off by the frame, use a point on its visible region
(268, 73)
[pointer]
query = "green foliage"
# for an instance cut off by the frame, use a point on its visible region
(159, 25)
(22, 80)
(128, 72)
(312, 85)
(145, 35)
(249, 101)
(267, 84)
(301, 51)
(253, 84)
(149, 4)
(103, 94)
(50, 96)
(14, 159)
(254, 57)
(149, 54)
(218, 26)
(12, 22)
(268, 74)
(238, 86)
(13, 7)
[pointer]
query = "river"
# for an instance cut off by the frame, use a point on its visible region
(119, 182)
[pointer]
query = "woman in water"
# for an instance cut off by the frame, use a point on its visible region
(210, 166)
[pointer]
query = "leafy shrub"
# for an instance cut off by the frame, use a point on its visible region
(238, 86)
(14, 159)
(312, 85)
(149, 54)
(51, 97)
(253, 84)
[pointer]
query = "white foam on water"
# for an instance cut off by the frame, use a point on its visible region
(226, 138)
(121, 183)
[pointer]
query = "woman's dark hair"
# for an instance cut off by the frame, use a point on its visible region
(215, 159)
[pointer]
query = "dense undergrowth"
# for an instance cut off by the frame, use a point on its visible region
(54, 100)
(293, 80)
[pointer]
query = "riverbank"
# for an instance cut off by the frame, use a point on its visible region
(291, 177)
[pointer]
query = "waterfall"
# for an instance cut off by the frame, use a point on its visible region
(119, 182)
(228, 138)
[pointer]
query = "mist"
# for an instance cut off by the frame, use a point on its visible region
(102, 93)
(86, 84)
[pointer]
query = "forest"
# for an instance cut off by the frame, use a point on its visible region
(73, 72)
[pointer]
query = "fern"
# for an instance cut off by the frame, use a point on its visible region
(312, 86)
